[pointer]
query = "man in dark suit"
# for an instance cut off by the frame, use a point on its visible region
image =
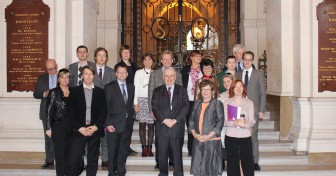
(77, 67)
(170, 106)
(44, 83)
(190, 74)
(155, 80)
(105, 75)
(119, 122)
(254, 81)
(87, 113)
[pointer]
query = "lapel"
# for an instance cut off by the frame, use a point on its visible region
(160, 77)
(175, 96)
(252, 78)
(76, 74)
(129, 93)
(165, 97)
(105, 75)
(118, 90)
(81, 97)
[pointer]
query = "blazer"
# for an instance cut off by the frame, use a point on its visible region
(156, 80)
(162, 111)
(77, 108)
(109, 76)
(41, 86)
(117, 108)
(256, 90)
(73, 69)
(185, 75)
(213, 117)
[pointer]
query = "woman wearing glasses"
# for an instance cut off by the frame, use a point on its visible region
(143, 115)
(205, 124)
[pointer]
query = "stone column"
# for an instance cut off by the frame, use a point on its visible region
(109, 29)
(253, 26)
(84, 26)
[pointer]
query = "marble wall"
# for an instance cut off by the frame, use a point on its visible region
(72, 23)
(292, 71)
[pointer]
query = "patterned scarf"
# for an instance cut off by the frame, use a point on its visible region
(194, 77)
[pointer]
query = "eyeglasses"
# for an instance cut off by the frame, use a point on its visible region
(248, 60)
(50, 69)
(206, 89)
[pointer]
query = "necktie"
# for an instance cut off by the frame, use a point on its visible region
(80, 75)
(169, 95)
(52, 82)
(124, 93)
(100, 74)
(246, 79)
(238, 67)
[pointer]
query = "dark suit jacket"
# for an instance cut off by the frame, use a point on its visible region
(256, 90)
(162, 111)
(41, 86)
(185, 75)
(77, 108)
(117, 108)
(109, 76)
(73, 69)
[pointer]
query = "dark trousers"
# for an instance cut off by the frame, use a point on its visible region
(190, 136)
(78, 144)
(239, 149)
(175, 145)
(118, 145)
(156, 143)
(48, 144)
(61, 138)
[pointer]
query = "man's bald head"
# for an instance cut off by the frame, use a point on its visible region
(51, 66)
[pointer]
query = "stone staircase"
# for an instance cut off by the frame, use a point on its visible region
(276, 159)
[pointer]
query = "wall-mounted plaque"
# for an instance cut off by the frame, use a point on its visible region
(27, 43)
(326, 16)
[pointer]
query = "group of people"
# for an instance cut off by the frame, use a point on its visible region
(91, 105)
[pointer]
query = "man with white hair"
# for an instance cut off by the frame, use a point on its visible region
(170, 106)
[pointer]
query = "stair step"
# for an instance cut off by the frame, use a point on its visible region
(266, 158)
(265, 134)
(265, 124)
(301, 171)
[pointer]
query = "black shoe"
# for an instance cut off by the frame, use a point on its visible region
(132, 152)
(189, 153)
(256, 167)
(223, 165)
(156, 167)
(104, 164)
(47, 166)
(171, 164)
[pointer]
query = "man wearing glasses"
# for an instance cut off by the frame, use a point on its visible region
(44, 83)
(119, 122)
(77, 67)
(254, 81)
(156, 80)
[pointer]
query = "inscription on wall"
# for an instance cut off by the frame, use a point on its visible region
(326, 16)
(27, 43)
